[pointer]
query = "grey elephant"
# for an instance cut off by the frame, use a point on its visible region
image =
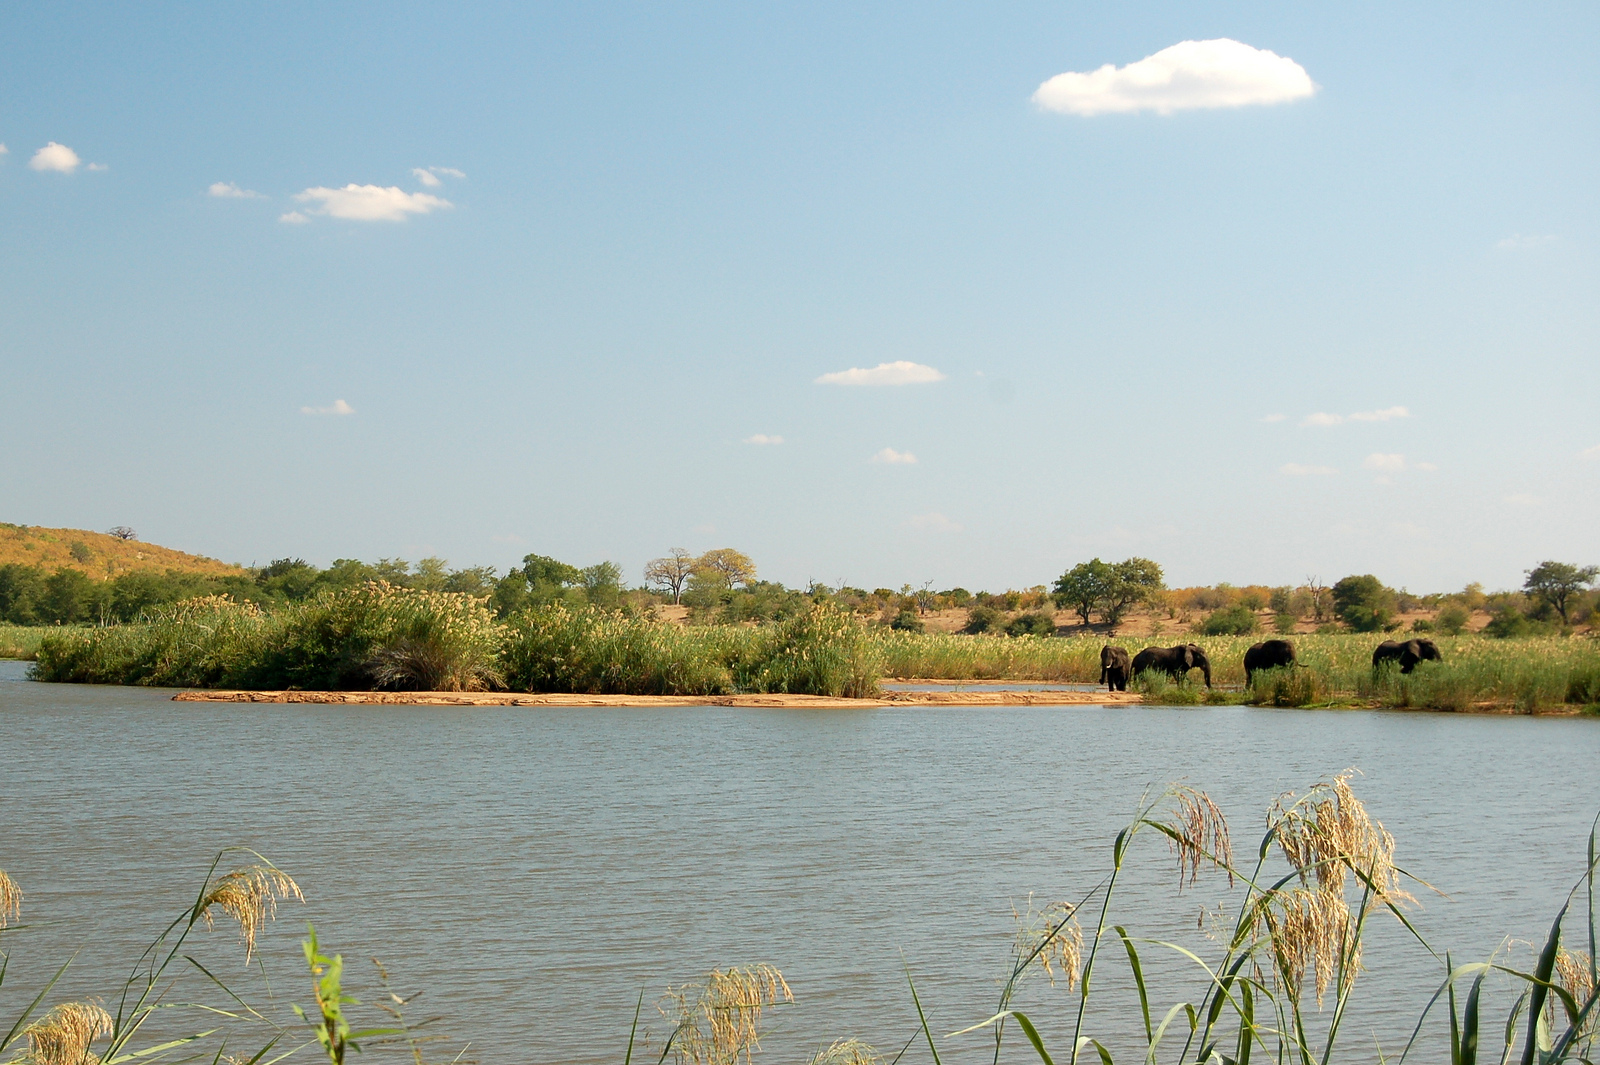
(1268, 654)
(1115, 668)
(1175, 662)
(1408, 654)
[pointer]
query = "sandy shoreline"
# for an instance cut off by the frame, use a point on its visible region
(820, 702)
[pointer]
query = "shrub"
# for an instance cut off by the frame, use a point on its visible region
(1284, 624)
(1422, 625)
(1287, 686)
(1508, 623)
(981, 619)
(1236, 620)
(1032, 624)
(907, 621)
(1452, 620)
(559, 649)
(1363, 603)
(821, 652)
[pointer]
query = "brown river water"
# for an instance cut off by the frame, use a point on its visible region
(534, 869)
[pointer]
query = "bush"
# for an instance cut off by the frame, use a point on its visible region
(561, 649)
(1284, 624)
(981, 619)
(1422, 625)
(1236, 620)
(1509, 623)
(1032, 624)
(1287, 686)
(1452, 620)
(821, 652)
(907, 621)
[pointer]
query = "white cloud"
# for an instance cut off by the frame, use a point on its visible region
(1523, 499)
(55, 156)
(885, 373)
(227, 190)
(1274, 417)
(1519, 240)
(4, 150)
(98, 166)
(339, 407)
(370, 203)
(1295, 469)
(1386, 463)
(294, 218)
(1387, 414)
(933, 522)
(1320, 418)
(1590, 452)
(763, 438)
(1427, 467)
(1188, 75)
(895, 458)
(429, 176)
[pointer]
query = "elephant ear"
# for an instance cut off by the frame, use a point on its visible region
(1188, 657)
(1414, 647)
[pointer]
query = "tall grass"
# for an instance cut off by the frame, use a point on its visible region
(21, 641)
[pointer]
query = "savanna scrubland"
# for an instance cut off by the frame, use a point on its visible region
(709, 625)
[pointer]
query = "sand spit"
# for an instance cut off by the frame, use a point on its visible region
(819, 702)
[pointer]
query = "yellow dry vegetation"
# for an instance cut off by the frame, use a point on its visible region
(100, 556)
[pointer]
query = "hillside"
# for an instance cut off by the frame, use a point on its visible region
(97, 554)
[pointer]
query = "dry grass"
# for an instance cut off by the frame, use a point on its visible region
(63, 1036)
(1052, 937)
(107, 555)
(250, 896)
(719, 1021)
(846, 1052)
(1201, 835)
(10, 899)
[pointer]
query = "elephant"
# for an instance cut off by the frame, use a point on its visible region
(1176, 662)
(1268, 654)
(1408, 654)
(1115, 668)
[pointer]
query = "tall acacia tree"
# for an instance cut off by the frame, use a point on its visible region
(726, 567)
(1557, 582)
(671, 572)
(1109, 589)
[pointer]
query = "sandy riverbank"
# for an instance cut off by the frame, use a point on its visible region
(964, 698)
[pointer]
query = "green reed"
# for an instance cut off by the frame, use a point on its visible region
(22, 641)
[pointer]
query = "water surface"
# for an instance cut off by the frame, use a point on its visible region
(534, 868)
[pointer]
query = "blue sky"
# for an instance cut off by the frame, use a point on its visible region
(1348, 331)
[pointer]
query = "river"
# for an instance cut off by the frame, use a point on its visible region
(534, 869)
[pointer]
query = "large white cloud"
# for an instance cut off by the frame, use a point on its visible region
(370, 203)
(55, 156)
(885, 373)
(1188, 75)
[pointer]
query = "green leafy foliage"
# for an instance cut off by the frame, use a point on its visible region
(1236, 620)
(1363, 603)
(1108, 589)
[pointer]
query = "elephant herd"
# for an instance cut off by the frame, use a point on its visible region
(1117, 668)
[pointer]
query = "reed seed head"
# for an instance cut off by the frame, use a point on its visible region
(846, 1052)
(10, 899)
(1053, 938)
(1202, 835)
(720, 1020)
(62, 1036)
(1328, 833)
(1311, 929)
(250, 896)
(1574, 975)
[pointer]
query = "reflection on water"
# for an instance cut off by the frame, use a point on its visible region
(534, 868)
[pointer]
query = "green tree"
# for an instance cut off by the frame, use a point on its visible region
(602, 584)
(1363, 603)
(288, 578)
(1084, 587)
(70, 596)
(1235, 620)
(1133, 581)
(1556, 583)
(1451, 620)
(726, 566)
(21, 592)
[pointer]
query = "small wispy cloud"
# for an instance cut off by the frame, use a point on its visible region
(97, 167)
(294, 218)
(1590, 453)
(1183, 77)
(227, 190)
(370, 203)
(1323, 418)
(1295, 469)
(1427, 467)
(1523, 499)
(57, 157)
(885, 373)
(430, 175)
(1384, 415)
(895, 458)
(763, 439)
(1384, 463)
(4, 150)
(1274, 417)
(1525, 240)
(338, 406)
(933, 522)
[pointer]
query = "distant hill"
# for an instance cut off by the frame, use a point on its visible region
(97, 554)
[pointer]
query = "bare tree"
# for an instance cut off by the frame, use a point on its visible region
(671, 572)
(1319, 598)
(122, 532)
(925, 597)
